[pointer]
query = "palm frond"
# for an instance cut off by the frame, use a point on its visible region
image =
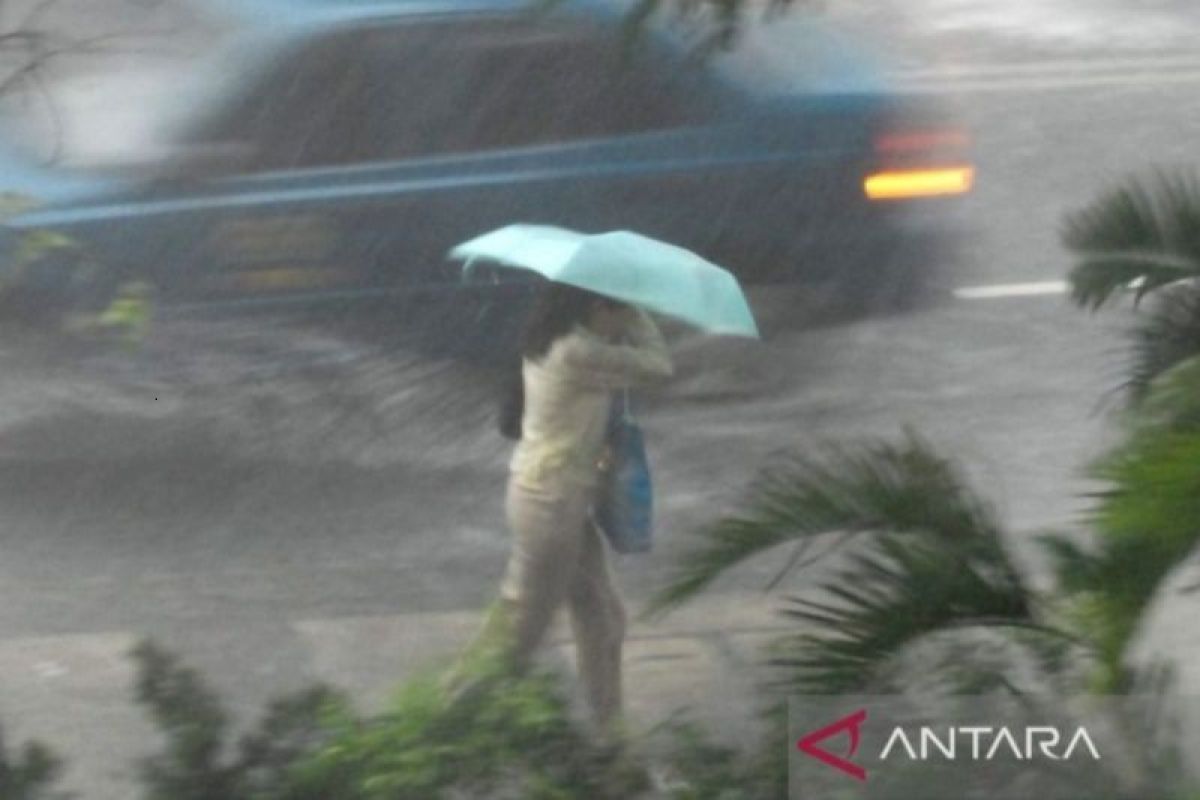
(905, 588)
(873, 487)
(1156, 501)
(1076, 567)
(1144, 233)
(1096, 278)
(1172, 400)
(1164, 338)
(1145, 522)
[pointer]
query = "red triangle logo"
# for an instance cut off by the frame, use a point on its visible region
(851, 725)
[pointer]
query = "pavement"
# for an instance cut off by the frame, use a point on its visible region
(74, 692)
(703, 662)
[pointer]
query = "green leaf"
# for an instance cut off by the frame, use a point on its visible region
(37, 243)
(840, 492)
(13, 203)
(904, 588)
(1164, 338)
(1145, 232)
(1172, 400)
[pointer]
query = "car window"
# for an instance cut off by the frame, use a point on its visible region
(514, 84)
(308, 109)
(424, 89)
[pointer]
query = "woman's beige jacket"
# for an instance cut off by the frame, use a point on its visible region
(567, 399)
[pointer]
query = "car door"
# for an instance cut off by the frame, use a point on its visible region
(275, 220)
(362, 154)
(480, 122)
(489, 122)
(249, 208)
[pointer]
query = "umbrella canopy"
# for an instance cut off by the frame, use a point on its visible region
(625, 266)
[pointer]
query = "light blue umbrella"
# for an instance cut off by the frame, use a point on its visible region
(626, 266)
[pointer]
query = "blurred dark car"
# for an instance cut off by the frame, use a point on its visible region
(337, 149)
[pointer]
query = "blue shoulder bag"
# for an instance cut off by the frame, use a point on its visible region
(624, 508)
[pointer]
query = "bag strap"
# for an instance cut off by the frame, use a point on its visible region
(626, 409)
(620, 411)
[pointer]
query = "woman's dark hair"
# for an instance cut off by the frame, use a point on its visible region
(556, 310)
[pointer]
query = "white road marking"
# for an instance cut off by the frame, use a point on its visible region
(1004, 290)
(1048, 75)
(1074, 66)
(1048, 84)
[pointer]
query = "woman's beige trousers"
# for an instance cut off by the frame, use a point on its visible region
(558, 558)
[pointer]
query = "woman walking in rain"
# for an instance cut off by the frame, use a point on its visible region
(587, 338)
(578, 348)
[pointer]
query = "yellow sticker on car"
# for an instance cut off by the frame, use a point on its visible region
(288, 237)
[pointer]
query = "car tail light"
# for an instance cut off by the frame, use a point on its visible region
(920, 163)
(909, 183)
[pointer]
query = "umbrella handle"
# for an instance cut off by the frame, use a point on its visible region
(627, 413)
(469, 269)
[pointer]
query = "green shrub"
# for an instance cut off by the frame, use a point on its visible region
(1147, 520)
(195, 763)
(498, 735)
(29, 775)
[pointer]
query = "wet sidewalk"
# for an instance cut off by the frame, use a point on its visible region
(74, 692)
(704, 660)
